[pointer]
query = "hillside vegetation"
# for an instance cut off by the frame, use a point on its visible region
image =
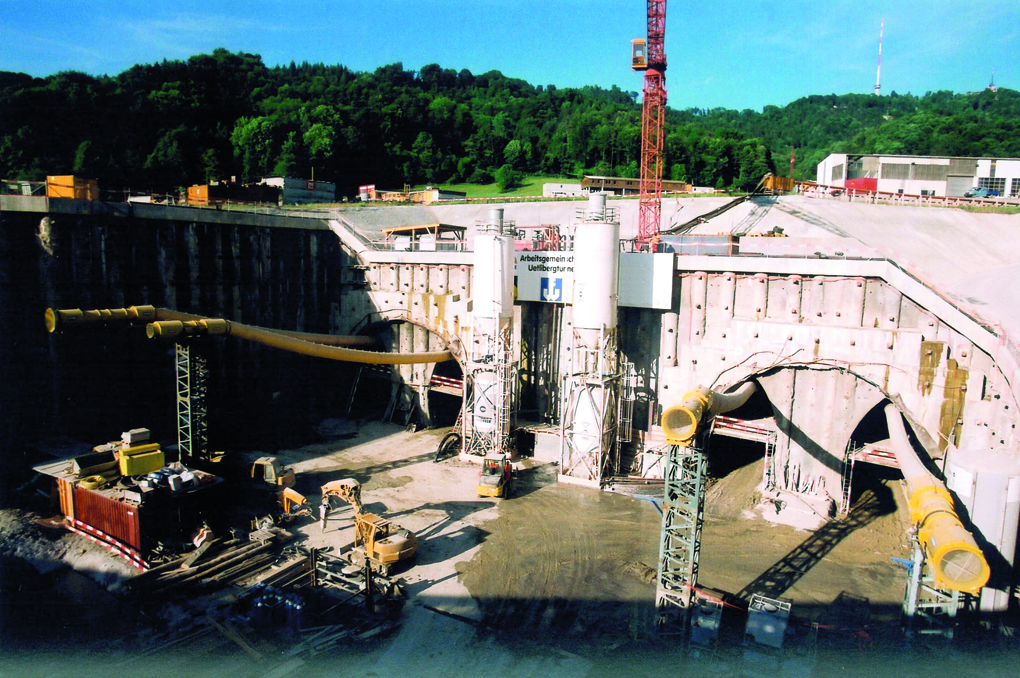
(163, 126)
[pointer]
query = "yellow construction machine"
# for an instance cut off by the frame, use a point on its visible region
(381, 542)
(267, 472)
(496, 477)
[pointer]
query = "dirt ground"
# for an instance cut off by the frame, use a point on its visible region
(558, 580)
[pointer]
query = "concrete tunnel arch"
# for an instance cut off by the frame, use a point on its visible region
(810, 450)
(442, 398)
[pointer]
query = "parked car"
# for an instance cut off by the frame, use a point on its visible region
(982, 193)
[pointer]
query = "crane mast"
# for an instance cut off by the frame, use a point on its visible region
(653, 119)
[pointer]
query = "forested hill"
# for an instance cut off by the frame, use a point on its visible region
(171, 124)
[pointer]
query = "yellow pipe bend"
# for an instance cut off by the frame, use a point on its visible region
(957, 561)
(680, 422)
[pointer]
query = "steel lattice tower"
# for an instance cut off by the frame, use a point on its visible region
(653, 119)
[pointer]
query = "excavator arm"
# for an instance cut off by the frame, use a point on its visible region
(348, 490)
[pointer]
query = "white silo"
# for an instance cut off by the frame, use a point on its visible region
(488, 396)
(589, 447)
(988, 485)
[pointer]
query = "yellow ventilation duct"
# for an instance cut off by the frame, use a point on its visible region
(957, 561)
(680, 422)
(168, 324)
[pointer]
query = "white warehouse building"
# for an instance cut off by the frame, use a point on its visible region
(920, 175)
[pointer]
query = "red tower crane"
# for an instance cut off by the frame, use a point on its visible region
(650, 57)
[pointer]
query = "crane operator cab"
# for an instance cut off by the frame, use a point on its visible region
(639, 54)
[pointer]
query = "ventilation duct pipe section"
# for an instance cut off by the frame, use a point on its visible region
(957, 562)
(987, 483)
(168, 324)
(170, 329)
(681, 422)
(60, 320)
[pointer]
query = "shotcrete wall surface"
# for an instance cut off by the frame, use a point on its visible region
(93, 384)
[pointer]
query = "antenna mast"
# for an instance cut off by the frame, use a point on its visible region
(878, 79)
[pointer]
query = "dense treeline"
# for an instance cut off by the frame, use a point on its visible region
(167, 125)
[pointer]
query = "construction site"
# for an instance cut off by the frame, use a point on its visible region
(757, 436)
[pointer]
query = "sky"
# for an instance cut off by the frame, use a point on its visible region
(728, 53)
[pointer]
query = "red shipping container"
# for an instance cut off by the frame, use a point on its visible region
(862, 184)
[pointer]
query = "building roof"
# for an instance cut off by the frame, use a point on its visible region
(424, 229)
(922, 157)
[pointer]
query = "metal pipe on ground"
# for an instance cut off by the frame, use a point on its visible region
(956, 559)
(681, 422)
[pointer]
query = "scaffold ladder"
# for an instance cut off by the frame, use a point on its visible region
(848, 477)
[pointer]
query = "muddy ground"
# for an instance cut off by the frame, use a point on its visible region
(556, 581)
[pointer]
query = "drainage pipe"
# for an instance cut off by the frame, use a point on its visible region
(681, 422)
(956, 559)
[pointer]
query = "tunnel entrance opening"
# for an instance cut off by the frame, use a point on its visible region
(870, 471)
(446, 394)
(738, 447)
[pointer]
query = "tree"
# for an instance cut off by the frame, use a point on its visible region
(254, 146)
(506, 178)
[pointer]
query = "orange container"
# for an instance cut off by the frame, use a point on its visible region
(69, 186)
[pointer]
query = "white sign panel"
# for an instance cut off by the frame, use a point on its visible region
(646, 280)
(545, 276)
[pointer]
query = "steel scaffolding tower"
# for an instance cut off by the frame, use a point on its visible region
(683, 513)
(490, 391)
(192, 374)
(590, 422)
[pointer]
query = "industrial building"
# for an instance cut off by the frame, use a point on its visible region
(301, 191)
(920, 175)
(628, 185)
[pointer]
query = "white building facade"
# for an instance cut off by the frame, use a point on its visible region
(920, 175)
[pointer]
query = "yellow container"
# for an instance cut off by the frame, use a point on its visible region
(69, 186)
(140, 464)
(139, 449)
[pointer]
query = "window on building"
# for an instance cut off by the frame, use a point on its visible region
(895, 170)
(924, 193)
(1015, 187)
(993, 183)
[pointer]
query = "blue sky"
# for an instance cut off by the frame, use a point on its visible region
(726, 53)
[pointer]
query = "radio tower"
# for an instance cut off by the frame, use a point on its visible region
(651, 58)
(878, 79)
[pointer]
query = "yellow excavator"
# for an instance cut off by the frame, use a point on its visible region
(381, 542)
(269, 474)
